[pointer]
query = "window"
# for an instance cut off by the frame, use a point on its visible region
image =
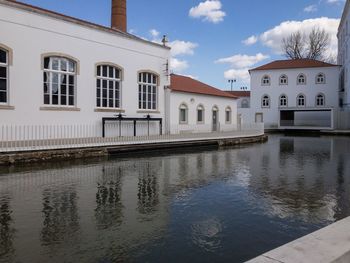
(148, 91)
(200, 114)
(301, 100)
(265, 102)
(108, 87)
(183, 113)
(59, 81)
(283, 80)
(245, 103)
(320, 100)
(228, 115)
(3, 76)
(283, 101)
(265, 80)
(301, 79)
(320, 78)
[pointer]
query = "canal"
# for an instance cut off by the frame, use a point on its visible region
(226, 205)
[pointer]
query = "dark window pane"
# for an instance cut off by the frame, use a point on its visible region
(63, 65)
(46, 76)
(117, 86)
(117, 74)
(46, 63)
(104, 84)
(110, 94)
(46, 99)
(154, 105)
(71, 90)
(144, 78)
(63, 79)
(71, 101)
(104, 71)
(63, 89)
(98, 102)
(71, 66)
(98, 84)
(140, 77)
(46, 88)
(63, 100)
(3, 85)
(154, 79)
(3, 71)
(54, 88)
(110, 85)
(99, 71)
(71, 80)
(3, 56)
(117, 103)
(3, 97)
(104, 103)
(110, 103)
(98, 93)
(111, 72)
(104, 93)
(116, 94)
(55, 99)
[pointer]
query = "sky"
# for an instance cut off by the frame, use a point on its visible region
(215, 40)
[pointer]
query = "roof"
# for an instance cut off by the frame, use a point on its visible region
(52, 14)
(293, 64)
(186, 84)
(240, 93)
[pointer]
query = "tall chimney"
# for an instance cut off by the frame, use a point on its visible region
(118, 20)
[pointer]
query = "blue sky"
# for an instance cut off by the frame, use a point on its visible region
(208, 35)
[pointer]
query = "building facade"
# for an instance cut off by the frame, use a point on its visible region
(193, 106)
(56, 69)
(295, 94)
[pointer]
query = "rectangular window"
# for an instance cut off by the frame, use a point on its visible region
(199, 115)
(228, 116)
(183, 116)
(147, 91)
(3, 76)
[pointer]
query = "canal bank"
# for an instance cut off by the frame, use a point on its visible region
(20, 157)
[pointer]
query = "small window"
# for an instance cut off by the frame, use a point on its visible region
(283, 80)
(3, 76)
(265, 102)
(228, 115)
(265, 80)
(245, 103)
(108, 87)
(183, 114)
(320, 100)
(148, 91)
(283, 101)
(301, 79)
(200, 114)
(320, 78)
(59, 81)
(301, 101)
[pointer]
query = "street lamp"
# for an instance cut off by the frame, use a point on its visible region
(231, 81)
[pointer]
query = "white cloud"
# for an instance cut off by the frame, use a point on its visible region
(154, 33)
(179, 47)
(310, 9)
(243, 61)
(178, 65)
(250, 40)
(335, 1)
(210, 10)
(272, 38)
(241, 74)
(191, 76)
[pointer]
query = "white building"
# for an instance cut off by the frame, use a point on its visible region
(193, 106)
(243, 98)
(56, 69)
(295, 94)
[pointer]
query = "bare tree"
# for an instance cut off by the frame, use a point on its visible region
(311, 46)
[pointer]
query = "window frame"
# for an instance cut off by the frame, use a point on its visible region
(280, 101)
(268, 78)
(200, 107)
(183, 106)
(100, 78)
(7, 74)
(299, 77)
(142, 93)
(265, 98)
(298, 100)
(283, 77)
(228, 110)
(317, 78)
(245, 102)
(323, 99)
(50, 71)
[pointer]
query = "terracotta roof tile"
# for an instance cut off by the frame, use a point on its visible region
(240, 93)
(294, 63)
(189, 85)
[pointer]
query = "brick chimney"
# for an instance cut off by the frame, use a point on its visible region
(118, 20)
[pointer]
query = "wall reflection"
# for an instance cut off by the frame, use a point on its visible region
(7, 230)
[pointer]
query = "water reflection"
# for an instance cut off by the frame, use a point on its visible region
(207, 206)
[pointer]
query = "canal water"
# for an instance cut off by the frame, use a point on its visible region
(226, 205)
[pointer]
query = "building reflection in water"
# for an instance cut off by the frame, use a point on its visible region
(148, 189)
(109, 206)
(61, 219)
(7, 230)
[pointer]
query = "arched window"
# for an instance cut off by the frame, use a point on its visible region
(108, 86)
(200, 114)
(320, 78)
(265, 81)
(301, 100)
(283, 80)
(265, 101)
(283, 101)
(245, 103)
(301, 80)
(148, 92)
(228, 115)
(183, 111)
(59, 81)
(320, 100)
(4, 62)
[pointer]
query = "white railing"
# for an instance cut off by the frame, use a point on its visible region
(45, 137)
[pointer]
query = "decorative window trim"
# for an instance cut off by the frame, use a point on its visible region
(299, 95)
(200, 107)
(269, 80)
(183, 106)
(149, 71)
(301, 74)
(228, 109)
(9, 54)
(280, 78)
(324, 100)
(262, 101)
(324, 78)
(279, 101)
(142, 110)
(61, 55)
(6, 66)
(111, 64)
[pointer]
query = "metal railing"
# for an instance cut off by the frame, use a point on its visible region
(46, 137)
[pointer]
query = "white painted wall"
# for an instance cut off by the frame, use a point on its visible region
(292, 90)
(192, 101)
(30, 35)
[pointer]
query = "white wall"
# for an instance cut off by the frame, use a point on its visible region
(292, 90)
(30, 35)
(192, 101)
